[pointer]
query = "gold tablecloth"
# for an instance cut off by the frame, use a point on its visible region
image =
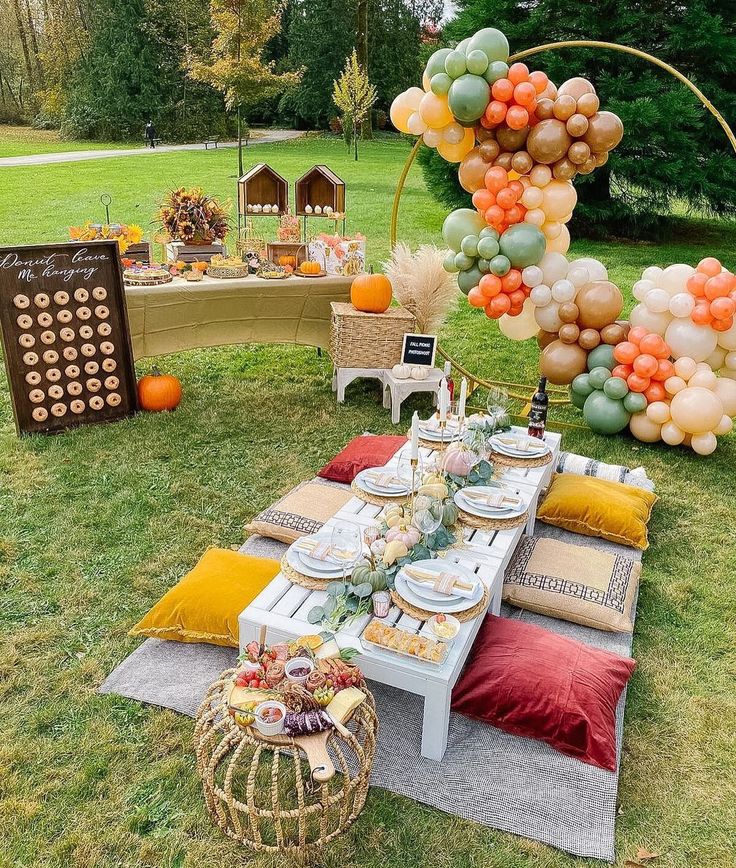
(184, 315)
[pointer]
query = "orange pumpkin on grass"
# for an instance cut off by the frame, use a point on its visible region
(157, 391)
(371, 292)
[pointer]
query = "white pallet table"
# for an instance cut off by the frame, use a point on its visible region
(283, 607)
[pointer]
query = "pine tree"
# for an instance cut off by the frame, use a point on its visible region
(673, 149)
(354, 95)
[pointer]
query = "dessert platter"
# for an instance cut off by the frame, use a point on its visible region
(146, 275)
(227, 267)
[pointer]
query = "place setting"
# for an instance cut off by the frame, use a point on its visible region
(436, 586)
(519, 450)
(491, 507)
(393, 483)
(327, 556)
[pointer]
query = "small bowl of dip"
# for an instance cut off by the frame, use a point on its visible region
(444, 627)
(298, 668)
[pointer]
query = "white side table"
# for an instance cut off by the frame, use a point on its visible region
(395, 391)
(343, 377)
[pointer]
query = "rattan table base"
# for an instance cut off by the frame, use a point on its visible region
(424, 614)
(510, 461)
(475, 521)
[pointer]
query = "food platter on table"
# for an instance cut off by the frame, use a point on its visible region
(447, 604)
(464, 500)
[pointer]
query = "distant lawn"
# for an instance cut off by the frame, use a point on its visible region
(96, 524)
(21, 141)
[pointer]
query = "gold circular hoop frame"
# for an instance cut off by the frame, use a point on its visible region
(514, 388)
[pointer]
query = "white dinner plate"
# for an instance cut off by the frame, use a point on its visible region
(364, 482)
(543, 449)
(294, 559)
(327, 566)
(461, 604)
(426, 593)
(436, 437)
(486, 511)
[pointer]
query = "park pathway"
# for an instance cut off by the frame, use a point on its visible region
(267, 137)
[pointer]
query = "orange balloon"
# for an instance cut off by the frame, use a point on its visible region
(495, 216)
(518, 72)
(717, 287)
(652, 344)
(476, 297)
(722, 325)
(701, 314)
(539, 80)
(626, 352)
(637, 383)
(655, 392)
(483, 199)
(710, 266)
(511, 280)
(696, 284)
(645, 365)
(502, 90)
(454, 153)
(665, 370)
(490, 285)
(525, 94)
(506, 198)
(517, 117)
(722, 308)
(517, 187)
(497, 179)
(515, 214)
(636, 334)
(622, 371)
(499, 305)
(496, 112)
(434, 111)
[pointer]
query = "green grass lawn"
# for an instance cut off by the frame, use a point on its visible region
(22, 141)
(96, 524)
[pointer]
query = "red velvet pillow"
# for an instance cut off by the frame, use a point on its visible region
(531, 682)
(368, 450)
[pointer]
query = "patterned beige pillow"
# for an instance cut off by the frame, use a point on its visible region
(575, 583)
(301, 511)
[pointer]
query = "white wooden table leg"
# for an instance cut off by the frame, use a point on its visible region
(436, 721)
(334, 379)
(386, 397)
(395, 408)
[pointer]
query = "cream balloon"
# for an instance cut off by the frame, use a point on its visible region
(673, 385)
(532, 197)
(730, 361)
(685, 367)
(453, 133)
(704, 377)
(674, 278)
(657, 300)
(653, 273)
(578, 276)
(640, 289)
(726, 391)
(717, 359)
(642, 427)
(561, 244)
(416, 125)
(560, 198)
(540, 176)
(548, 318)
(535, 216)
(652, 322)
(563, 290)
(455, 153)
(704, 444)
(725, 426)
(432, 138)
(596, 269)
(552, 229)
(671, 434)
(682, 304)
(404, 106)
(521, 327)
(658, 412)
(533, 276)
(696, 410)
(727, 339)
(686, 338)
(554, 267)
(541, 295)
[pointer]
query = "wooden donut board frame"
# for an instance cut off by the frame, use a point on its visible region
(30, 270)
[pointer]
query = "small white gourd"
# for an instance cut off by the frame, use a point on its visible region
(401, 372)
(419, 372)
(266, 209)
(307, 209)
(317, 209)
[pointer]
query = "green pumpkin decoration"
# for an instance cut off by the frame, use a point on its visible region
(375, 578)
(449, 514)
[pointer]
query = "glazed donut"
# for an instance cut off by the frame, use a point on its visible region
(77, 406)
(101, 312)
(27, 341)
(112, 383)
(45, 319)
(66, 334)
(83, 313)
(25, 322)
(99, 293)
(96, 402)
(30, 358)
(58, 410)
(64, 316)
(74, 388)
(40, 414)
(88, 350)
(109, 365)
(113, 399)
(35, 396)
(72, 371)
(91, 367)
(51, 357)
(104, 329)
(81, 294)
(85, 332)
(70, 353)
(33, 378)
(94, 385)
(53, 375)
(48, 337)
(55, 392)
(21, 301)
(61, 297)
(41, 300)
(107, 348)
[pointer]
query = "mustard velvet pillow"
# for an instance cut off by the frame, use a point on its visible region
(596, 507)
(204, 606)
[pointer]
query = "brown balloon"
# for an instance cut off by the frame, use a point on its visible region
(544, 338)
(605, 131)
(548, 141)
(504, 160)
(560, 363)
(569, 333)
(545, 109)
(577, 125)
(600, 159)
(589, 339)
(565, 107)
(575, 87)
(522, 163)
(568, 312)
(588, 104)
(489, 150)
(612, 334)
(600, 302)
(564, 170)
(587, 167)
(577, 153)
(511, 140)
(625, 325)
(472, 170)
(482, 134)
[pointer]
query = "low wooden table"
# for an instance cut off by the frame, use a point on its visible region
(283, 606)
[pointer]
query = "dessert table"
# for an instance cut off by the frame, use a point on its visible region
(283, 606)
(184, 315)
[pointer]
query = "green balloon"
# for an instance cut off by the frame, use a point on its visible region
(449, 262)
(463, 45)
(469, 245)
(484, 265)
(491, 42)
(602, 356)
(576, 399)
(487, 247)
(436, 62)
(615, 387)
(500, 265)
(489, 232)
(635, 402)
(497, 69)
(468, 97)
(605, 415)
(458, 224)
(581, 385)
(455, 65)
(440, 83)
(524, 244)
(477, 62)
(463, 262)
(598, 376)
(466, 280)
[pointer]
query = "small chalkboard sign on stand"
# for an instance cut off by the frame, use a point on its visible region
(65, 334)
(419, 350)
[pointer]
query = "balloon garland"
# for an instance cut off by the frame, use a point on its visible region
(519, 141)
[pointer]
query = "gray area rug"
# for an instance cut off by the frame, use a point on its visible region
(506, 782)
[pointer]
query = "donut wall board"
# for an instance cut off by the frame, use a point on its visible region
(65, 333)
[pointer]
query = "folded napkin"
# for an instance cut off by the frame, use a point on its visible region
(521, 444)
(433, 424)
(496, 499)
(449, 584)
(320, 551)
(386, 479)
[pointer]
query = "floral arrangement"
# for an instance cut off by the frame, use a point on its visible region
(193, 216)
(289, 229)
(124, 234)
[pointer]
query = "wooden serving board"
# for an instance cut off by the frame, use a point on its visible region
(65, 333)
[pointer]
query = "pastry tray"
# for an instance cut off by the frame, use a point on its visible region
(375, 647)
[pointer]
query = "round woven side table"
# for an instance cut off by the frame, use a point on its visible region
(262, 794)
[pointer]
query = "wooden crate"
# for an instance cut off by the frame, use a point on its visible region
(319, 186)
(261, 185)
(368, 340)
(274, 249)
(177, 250)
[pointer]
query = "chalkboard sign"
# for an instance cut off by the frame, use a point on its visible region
(65, 333)
(419, 349)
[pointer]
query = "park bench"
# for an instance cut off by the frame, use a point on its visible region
(211, 140)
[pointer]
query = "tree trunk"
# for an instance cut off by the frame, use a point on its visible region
(23, 40)
(361, 48)
(34, 46)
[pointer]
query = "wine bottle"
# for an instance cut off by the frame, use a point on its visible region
(538, 412)
(450, 381)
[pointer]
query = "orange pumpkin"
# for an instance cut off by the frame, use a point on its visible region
(371, 293)
(308, 267)
(157, 391)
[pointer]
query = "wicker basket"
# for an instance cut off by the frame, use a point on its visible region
(228, 272)
(368, 340)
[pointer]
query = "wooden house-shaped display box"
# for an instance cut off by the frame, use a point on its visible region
(319, 188)
(260, 189)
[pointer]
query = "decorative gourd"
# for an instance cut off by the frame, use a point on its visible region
(375, 578)
(449, 514)
(157, 391)
(438, 490)
(371, 293)
(459, 462)
(401, 372)
(410, 536)
(394, 550)
(419, 372)
(308, 267)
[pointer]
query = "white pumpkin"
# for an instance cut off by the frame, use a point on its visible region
(401, 372)
(307, 209)
(419, 372)
(266, 209)
(317, 209)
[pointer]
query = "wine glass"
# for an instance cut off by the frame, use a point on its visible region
(408, 474)
(497, 404)
(346, 546)
(427, 516)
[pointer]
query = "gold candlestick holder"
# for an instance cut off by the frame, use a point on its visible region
(414, 466)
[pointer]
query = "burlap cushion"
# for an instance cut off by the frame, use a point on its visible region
(301, 511)
(575, 583)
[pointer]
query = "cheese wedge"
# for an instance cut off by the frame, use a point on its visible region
(327, 650)
(345, 703)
